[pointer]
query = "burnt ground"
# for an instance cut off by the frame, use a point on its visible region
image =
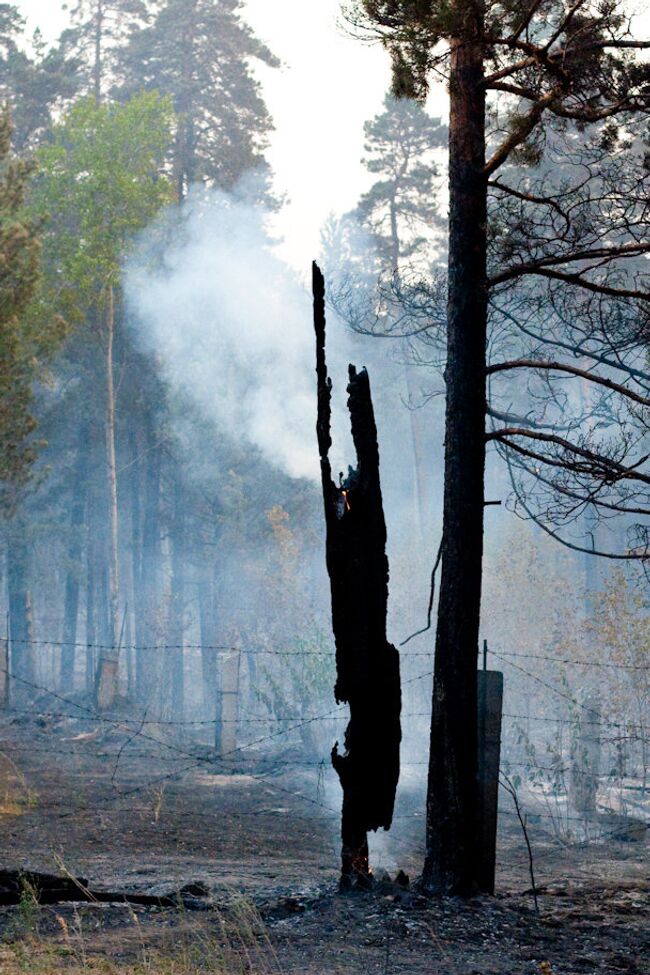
(133, 813)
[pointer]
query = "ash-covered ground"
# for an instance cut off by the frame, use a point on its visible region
(133, 813)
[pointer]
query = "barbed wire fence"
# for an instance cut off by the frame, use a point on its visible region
(539, 751)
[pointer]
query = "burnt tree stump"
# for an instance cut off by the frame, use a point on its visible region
(367, 664)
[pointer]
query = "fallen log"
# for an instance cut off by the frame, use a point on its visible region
(46, 888)
(367, 664)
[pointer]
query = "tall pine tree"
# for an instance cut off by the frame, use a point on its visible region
(400, 210)
(34, 79)
(26, 339)
(199, 52)
(99, 28)
(549, 65)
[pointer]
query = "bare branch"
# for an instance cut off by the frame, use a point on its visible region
(582, 282)
(627, 557)
(633, 249)
(576, 350)
(587, 499)
(525, 126)
(571, 370)
(611, 469)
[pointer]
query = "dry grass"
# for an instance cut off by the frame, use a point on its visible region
(15, 794)
(231, 942)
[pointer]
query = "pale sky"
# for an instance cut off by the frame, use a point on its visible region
(328, 86)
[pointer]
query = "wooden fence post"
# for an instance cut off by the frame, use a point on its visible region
(228, 704)
(585, 757)
(490, 707)
(4, 669)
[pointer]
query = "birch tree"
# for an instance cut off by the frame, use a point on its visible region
(101, 177)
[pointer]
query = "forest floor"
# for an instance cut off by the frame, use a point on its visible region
(131, 812)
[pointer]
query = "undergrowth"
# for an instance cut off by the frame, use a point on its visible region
(233, 941)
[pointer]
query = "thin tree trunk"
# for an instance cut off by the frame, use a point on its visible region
(136, 562)
(209, 659)
(72, 585)
(451, 864)
(183, 161)
(97, 66)
(147, 670)
(20, 617)
(177, 608)
(420, 479)
(107, 674)
(114, 570)
(91, 610)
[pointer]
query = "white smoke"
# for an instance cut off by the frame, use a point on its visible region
(231, 325)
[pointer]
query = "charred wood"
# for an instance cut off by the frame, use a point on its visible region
(367, 664)
(48, 888)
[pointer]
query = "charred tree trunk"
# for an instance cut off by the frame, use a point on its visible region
(71, 606)
(451, 863)
(367, 665)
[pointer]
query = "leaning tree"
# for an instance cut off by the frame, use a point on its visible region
(546, 281)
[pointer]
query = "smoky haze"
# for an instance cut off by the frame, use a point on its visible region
(208, 538)
(228, 322)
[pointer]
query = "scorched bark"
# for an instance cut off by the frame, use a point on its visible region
(367, 664)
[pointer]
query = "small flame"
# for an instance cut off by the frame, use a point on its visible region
(346, 500)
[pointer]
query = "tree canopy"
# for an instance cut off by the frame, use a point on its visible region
(101, 180)
(199, 53)
(27, 341)
(34, 79)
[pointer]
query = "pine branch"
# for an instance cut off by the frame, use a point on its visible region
(571, 370)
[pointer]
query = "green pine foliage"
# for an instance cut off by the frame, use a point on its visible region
(199, 53)
(34, 79)
(98, 30)
(400, 145)
(26, 342)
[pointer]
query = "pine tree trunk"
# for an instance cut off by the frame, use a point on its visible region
(107, 672)
(97, 66)
(183, 159)
(419, 454)
(147, 670)
(177, 608)
(91, 610)
(20, 618)
(451, 863)
(72, 585)
(420, 457)
(136, 562)
(209, 656)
